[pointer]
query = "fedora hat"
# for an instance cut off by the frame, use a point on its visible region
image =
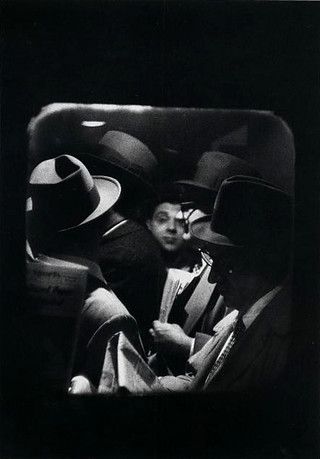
(127, 158)
(213, 168)
(248, 213)
(65, 195)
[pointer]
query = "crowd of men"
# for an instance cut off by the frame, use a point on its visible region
(229, 327)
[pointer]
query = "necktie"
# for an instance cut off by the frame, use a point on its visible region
(237, 332)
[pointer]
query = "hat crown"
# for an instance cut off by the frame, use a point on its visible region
(251, 212)
(129, 148)
(129, 154)
(63, 192)
(214, 167)
(57, 170)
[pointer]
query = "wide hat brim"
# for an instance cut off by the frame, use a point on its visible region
(109, 190)
(202, 234)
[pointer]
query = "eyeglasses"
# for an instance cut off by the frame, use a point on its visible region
(219, 265)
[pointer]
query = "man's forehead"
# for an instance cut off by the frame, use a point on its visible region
(168, 207)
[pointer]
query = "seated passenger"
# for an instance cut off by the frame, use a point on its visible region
(199, 307)
(129, 257)
(66, 220)
(168, 229)
(248, 240)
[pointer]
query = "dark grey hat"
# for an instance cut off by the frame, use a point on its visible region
(130, 160)
(214, 167)
(248, 213)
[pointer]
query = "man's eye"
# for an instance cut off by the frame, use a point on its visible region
(161, 219)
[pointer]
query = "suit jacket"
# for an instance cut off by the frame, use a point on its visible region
(255, 362)
(131, 262)
(202, 330)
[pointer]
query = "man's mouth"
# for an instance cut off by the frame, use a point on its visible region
(169, 240)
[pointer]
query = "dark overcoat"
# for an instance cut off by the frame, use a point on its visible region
(131, 263)
(257, 360)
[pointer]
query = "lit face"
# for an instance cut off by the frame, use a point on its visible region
(167, 227)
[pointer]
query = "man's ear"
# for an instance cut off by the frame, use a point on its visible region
(148, 223)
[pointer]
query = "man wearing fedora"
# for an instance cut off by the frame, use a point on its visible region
(248, 239)
(129, 257)
(66, 219)
(197, 314)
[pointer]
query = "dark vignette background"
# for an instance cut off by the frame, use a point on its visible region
(192, 54)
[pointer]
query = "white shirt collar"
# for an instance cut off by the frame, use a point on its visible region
(258, 306)
(110, 230)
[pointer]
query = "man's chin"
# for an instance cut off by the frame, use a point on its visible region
(169, 248)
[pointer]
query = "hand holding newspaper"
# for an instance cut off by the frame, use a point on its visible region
(177, 280)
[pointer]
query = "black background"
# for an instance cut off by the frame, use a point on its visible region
(192, 54)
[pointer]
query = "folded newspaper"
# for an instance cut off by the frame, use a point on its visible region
(56, 287)
(124, 370)
(55, 297)
(177, 280)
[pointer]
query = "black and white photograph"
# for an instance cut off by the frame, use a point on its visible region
(160, 229)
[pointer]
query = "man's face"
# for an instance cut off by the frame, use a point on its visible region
(234, 282)
(167, 227)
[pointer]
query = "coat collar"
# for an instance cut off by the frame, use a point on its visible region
(277, 314)
(249, 316)
(115, 227)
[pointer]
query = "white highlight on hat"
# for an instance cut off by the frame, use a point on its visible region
(93, 123)
(139, 108)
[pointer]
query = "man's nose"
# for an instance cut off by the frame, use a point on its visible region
(172, 227)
